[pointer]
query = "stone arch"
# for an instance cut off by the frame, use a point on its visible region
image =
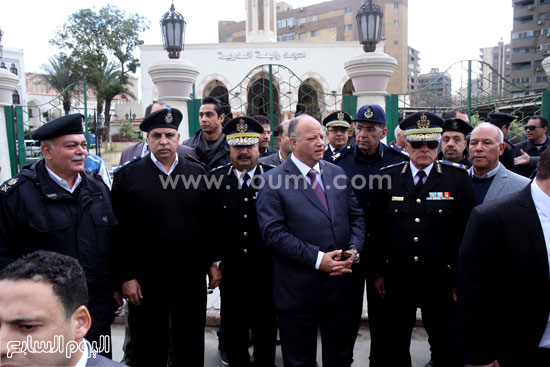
(216, 88)
(209, 82)
(310, 97)
(257, 97)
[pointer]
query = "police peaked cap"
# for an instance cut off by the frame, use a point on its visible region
(457, 125)
(422, 126)
(500, 118)
(64, 125)
(338, 119)
(165, 118)
(243, 130)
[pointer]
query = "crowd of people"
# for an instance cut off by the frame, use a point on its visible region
(449, 218)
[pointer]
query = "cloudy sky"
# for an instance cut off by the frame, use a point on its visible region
(444, 31)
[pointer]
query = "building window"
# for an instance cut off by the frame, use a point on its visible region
(542, 79)
(287, 22)
(286, 37)
(314, 18)
(348, 10)
(396, 23)
(314, 33)
(13, 69)
(230, 35)
(302, 20)
(348, 27)
(303, 36)
(396, 42)
(396, 5)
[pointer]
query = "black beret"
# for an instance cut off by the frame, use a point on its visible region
(165, 118)
(242, 130)
(500, 118)
(422, 126)
(64, 125)
(457, 125)
(337, 119)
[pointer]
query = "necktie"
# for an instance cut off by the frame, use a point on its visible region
(312, 174)
(245, 176)
(420, 183)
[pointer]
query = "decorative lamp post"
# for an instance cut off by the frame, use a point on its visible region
(369, 23)
(15, 97)
(173, 32)
(100, 119)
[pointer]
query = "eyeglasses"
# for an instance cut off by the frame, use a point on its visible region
(532, 127)
(419, 144)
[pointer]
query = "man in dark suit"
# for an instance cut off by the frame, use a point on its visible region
(526, 154)
(337, 125)
(309, 217)
(503, 272)
(246, 302)
(280, 156)
(265, 138)
(142, 148)
(43, 297)
(425, 212)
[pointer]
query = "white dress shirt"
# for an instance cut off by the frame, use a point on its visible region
(161, 167)
(241, 173)
(414, 172)
(542, 204)
(84, 357)
(304, 170)
(489, 174)
(61, 182)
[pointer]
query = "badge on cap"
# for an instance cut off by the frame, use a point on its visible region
(455, 125)
(340, 115)
(368, 113)
(168, 118)
(242, 127)
(423, 123)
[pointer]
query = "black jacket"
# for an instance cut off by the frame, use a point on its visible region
(529, 148)
(220, 158)
(502, 272)
(37, 214)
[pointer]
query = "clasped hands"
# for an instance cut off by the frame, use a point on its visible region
(337, 262)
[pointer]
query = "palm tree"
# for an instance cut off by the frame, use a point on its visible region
(60, 73)
(112, 84)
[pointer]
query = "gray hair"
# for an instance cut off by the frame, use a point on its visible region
(48, 142)
(398, 131)
(493, 127)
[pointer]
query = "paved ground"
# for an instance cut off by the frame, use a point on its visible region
(419, 347)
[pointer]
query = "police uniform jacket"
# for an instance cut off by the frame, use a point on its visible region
(37, 214)
(425, 229)
(358, 164)
(242, 249)
(507, 158)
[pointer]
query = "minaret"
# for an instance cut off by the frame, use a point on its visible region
(261, 21)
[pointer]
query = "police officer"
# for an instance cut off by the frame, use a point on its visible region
(425, 214)
(362, 162)
(247, 265)
(337, 125)
(454, 143)
(503, 121)
(56, 205)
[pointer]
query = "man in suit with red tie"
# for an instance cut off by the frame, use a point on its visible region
(503, 272)
(309, 217)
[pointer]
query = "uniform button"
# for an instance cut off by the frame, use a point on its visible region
(245, 216)
(245, 251)
(368, 234)
(449, 266)
(225, 206)
(440, 211)
(245, 234)
(395, 210)
(415, 239)
(417, 220)
(416, 259)
(246, 200)
(418, 201)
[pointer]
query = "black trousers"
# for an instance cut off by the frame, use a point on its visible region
(433, 295)
(298, 330)
(247, 305)
(149, 326)
(102, 310)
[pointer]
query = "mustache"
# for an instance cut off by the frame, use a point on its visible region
(244, 156)
(78, 158)
(165, 147)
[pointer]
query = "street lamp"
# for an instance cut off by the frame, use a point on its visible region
(173, 32)
(99, 133)
(369, 23)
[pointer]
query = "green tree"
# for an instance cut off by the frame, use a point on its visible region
(99, 39)
(60, 73)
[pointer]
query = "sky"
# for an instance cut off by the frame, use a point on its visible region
(444, 31)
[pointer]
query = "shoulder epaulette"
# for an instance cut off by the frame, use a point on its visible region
(394, 165)
(341, 153)
(135, 159)
(10, 184)
(399, 150)
(454, 164)
(267, 164)
(219, 167)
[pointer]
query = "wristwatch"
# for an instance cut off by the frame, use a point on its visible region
(356, 252)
